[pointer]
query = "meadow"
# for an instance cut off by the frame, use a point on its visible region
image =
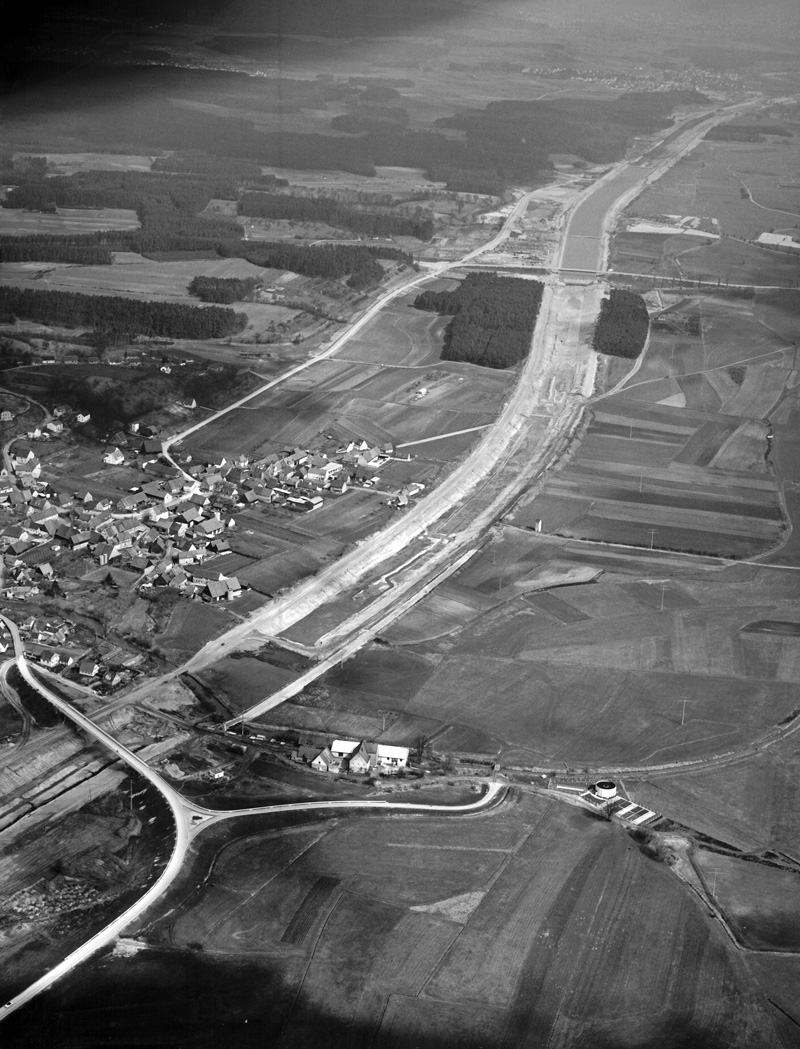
(135, 277)
(712, 182)
(543, 655)
(761, 902)
(677, 459)
(533, 924)
(18, 223)
(385, 386)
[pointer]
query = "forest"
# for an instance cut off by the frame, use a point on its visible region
(167, 206)
(507, 141)
(115, 402)
(623, 324)
(524, 133)
(332, 212)
(493, 318)
(125, 317)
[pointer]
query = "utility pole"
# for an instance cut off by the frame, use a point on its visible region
(664, 587)
(652, 537)
(683, 712)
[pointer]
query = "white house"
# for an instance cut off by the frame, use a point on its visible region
(360, 756)
(114, 458)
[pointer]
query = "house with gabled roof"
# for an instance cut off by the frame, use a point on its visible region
(209, 528)
(364, 759)
(360, 756)
(325, 761)
(115, 456)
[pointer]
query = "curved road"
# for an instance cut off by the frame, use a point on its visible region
(189, 819)
(341, 340)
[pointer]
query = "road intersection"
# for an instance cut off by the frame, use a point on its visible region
(533, 392)
(189, 820)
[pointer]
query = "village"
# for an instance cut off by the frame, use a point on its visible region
(168, 533)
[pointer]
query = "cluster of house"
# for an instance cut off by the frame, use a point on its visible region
(298, 476)
(168, 529)
(159, 531)
(358, 757)
(55, 644)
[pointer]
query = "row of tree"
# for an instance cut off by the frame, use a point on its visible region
(223, 290)
(199, 162)
(744, 132)
(52, 249)
(122, 189)
(331, 261)
(167, 206)
(332, 212)
(493, 318)
(623, 324)
(514, 138)
(125, 317)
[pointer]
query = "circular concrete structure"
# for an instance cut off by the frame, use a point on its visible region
(605, 788)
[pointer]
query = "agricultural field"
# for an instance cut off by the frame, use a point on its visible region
(677, 459)
(16, 222)
(191, 625)
(714, 180)
(134, 278)
(377, 390)
(762, 903)
(530, 925)
(280, 547)
(238, 683)
(399, 335)
(69, 163)
(543, 653)
(684, 259)
(752, 806)
(737, 189)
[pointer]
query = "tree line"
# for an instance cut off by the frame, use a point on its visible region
(199, 162)
(514, 138)
(622, 327)
(48, 248)
(493, 318)
(332, 261)
(507, 141)
(126, 317)
(121, 189)
(167, 206)
(744, 132)
(223, 290)
(332, 212)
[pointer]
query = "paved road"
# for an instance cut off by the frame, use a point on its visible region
(606, 197)
(189, 820)
(361, 321)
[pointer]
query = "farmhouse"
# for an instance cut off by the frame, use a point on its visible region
(360, 756)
